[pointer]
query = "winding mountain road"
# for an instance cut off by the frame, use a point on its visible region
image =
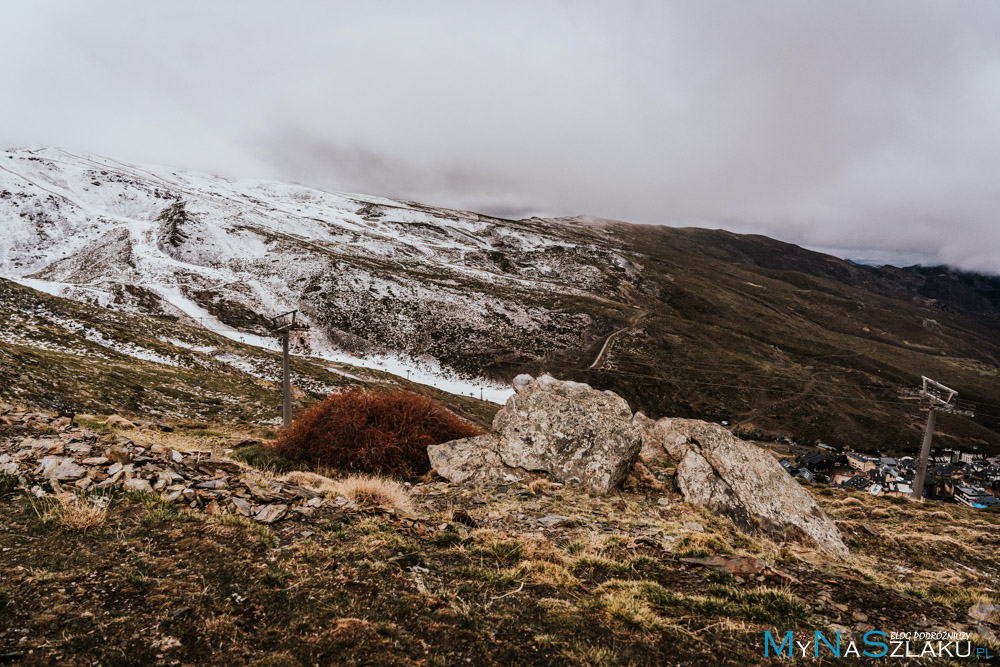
(602, 355)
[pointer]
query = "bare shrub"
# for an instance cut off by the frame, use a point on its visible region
(380, 432)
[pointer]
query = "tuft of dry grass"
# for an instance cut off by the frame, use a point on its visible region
(547, 573)
(76, 512)
(374, 491)
(313, 481)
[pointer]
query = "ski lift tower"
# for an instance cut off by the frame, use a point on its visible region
(282, 325)
(940, 399)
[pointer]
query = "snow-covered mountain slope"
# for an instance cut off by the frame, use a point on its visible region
(61, 354)
(381, 282)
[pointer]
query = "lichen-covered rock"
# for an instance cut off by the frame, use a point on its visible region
(737, 479)
(471, 459)
(568, 430)
(659, 438)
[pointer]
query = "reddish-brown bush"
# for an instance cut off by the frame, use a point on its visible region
(384, 433)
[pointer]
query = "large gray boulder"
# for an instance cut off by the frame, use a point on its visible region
(569, 430)
(734, 478)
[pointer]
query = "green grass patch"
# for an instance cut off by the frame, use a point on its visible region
(769, 606)
(600, 564)
(700, 545)
(262, 458)
(276, 576)
(494, 579)
(8, 485)
(723, 577)
(265, 536)
(503, 552)
(447, 538)
(336, 529)
(159, 510)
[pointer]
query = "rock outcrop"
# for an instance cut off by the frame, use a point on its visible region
(578, 434)
(719, 471)
(568, 430)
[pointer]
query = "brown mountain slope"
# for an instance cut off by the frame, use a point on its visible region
(786, 340)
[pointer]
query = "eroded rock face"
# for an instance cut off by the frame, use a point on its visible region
(471, 459)
(566, 429)
(728, 476)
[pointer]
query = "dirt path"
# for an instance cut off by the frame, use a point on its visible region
(613, 336)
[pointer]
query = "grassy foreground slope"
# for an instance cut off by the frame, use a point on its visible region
(524, 574)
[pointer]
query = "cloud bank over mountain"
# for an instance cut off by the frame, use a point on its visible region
(869, 128)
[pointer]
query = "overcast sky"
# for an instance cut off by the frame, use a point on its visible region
(870, 128)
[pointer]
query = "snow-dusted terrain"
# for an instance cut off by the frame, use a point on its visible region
(446, 297)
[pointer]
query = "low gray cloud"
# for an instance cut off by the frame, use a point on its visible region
(869, 128)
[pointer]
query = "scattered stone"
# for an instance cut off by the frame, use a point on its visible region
(119, 454)
(463, 517)
(982, 611)
(241, 505)
(119, 422)
(198, 480)
(739, 565)
(557, 521)
(470, 459)
(153, 426)
(871, 530)
(212, 484)
(58, 468)
(137, 484)
(694, 526)
(270, 513)
(859, 617)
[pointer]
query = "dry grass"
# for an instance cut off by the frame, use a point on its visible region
(365, 490)
(627, 607)
(374, 491)
(956, 598)
(263, 478)
(547, 573)
(311, 480)
(75, 512)
(696, 545)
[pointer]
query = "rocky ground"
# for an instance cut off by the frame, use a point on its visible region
(526, 572)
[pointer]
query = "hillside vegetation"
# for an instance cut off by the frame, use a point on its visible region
(436, 574)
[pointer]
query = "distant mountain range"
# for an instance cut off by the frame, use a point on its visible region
(688, 322)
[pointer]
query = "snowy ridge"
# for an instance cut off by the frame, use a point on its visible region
(444, 295)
